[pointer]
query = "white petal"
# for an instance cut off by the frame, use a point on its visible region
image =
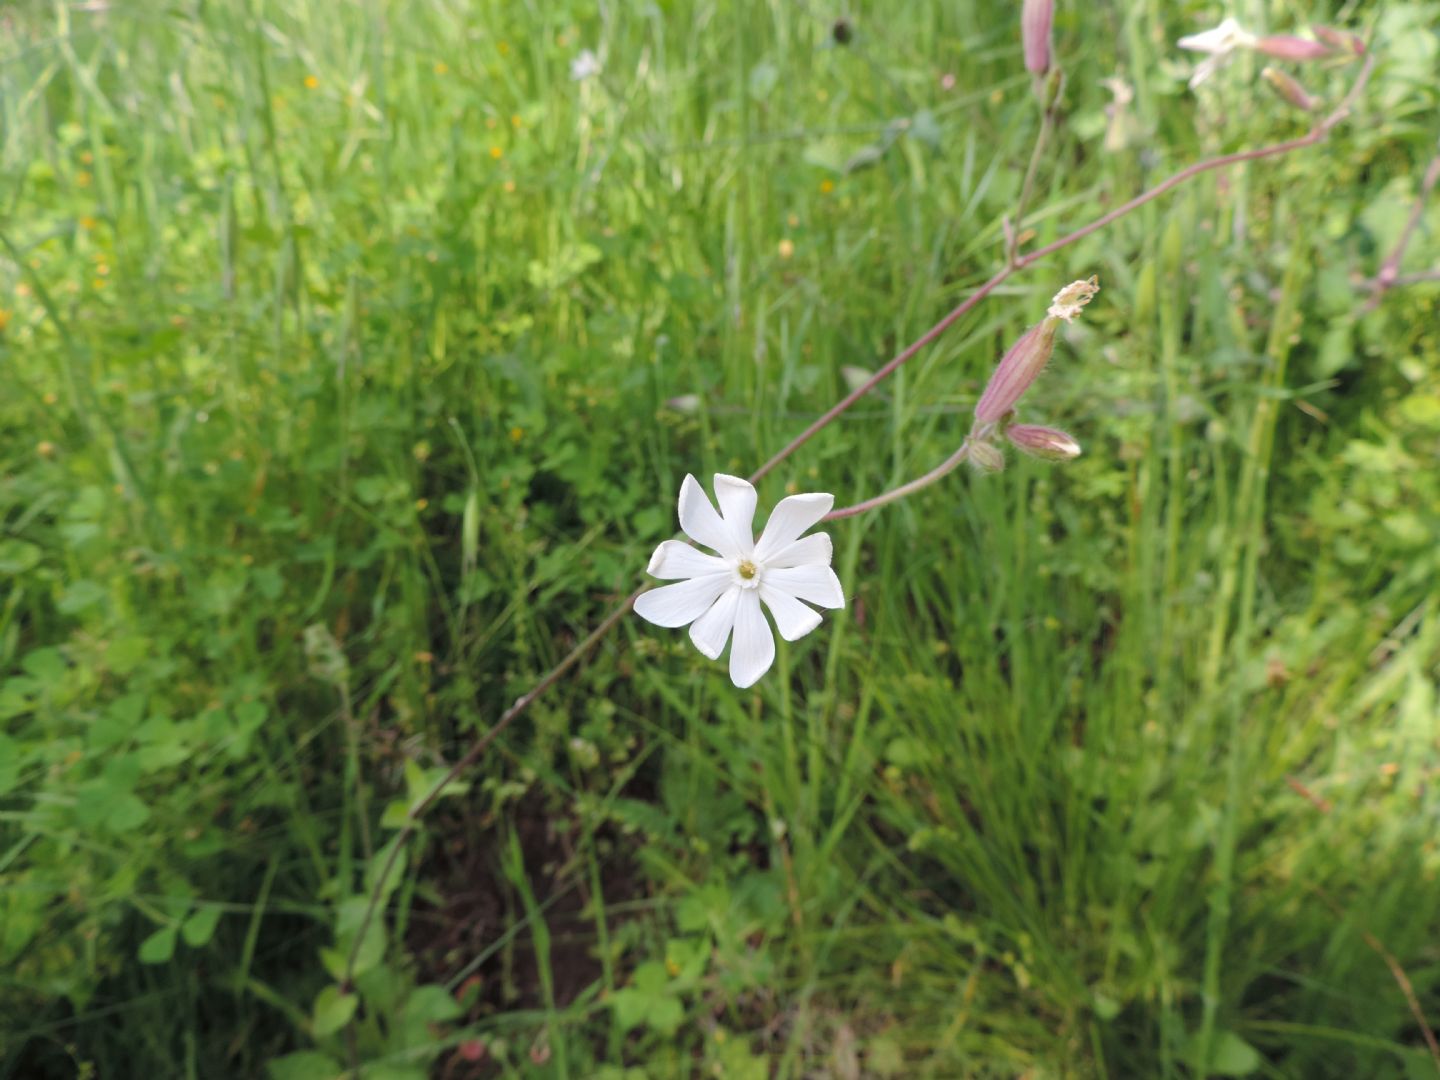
(679, 605)
(792, 618)
(674, 559)
(710, 631)
(813, 550)
(737, 507)
(1228, 35)
(789, 520)
(700, 522)
(1205, 69)
(817, 584)
(753, 650)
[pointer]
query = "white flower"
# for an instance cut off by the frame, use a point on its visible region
(585, 65)
(1219, 43)
(718, 594)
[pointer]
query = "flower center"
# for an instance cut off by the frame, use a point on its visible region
(748, 573)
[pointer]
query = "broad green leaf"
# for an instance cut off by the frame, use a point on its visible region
(333, 1010)
(159, 947)
(1230, 1055)
(199, 928)
(18, 556)
(432, 1004)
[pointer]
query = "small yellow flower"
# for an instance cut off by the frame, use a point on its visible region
(441, 68)
(311, 82)
(516, 434)
(87, 157)
(87, 222)
(787, 248)
(515, 121)
(503, 48)
(50, 397)
(98, 283)
(103, 269)
(509, 187)
(4, 319)
(83, 178)
(827, 186)
(672, 966)
(45, 449)
(496, 153)
(421, 504)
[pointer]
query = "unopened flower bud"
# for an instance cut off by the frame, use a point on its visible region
(1288, 89)
(1022, 365)
(1036, 17)
(1340, 40)
(1286, 47)
(1019, 367)
(1047, 443)
(985, 457)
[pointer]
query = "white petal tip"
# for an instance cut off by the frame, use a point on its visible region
(726, 480)
(795, 633)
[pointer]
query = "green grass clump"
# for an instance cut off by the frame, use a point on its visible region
(350, 359)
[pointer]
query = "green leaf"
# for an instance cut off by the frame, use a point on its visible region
(432, 1004)
(377, 866)
(306, 1065)
(159, 947)
(347, 925)
(1230, 1055)
(17, 556)
(333, 1010)
(396, 815)
(106, 805)
(199, 928)
(81, 596)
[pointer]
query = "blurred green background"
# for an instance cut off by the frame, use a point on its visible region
(351, 355)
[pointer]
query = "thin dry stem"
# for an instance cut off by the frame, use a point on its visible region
(1397, 972)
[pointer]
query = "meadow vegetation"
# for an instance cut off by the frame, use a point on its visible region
(351, 356)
